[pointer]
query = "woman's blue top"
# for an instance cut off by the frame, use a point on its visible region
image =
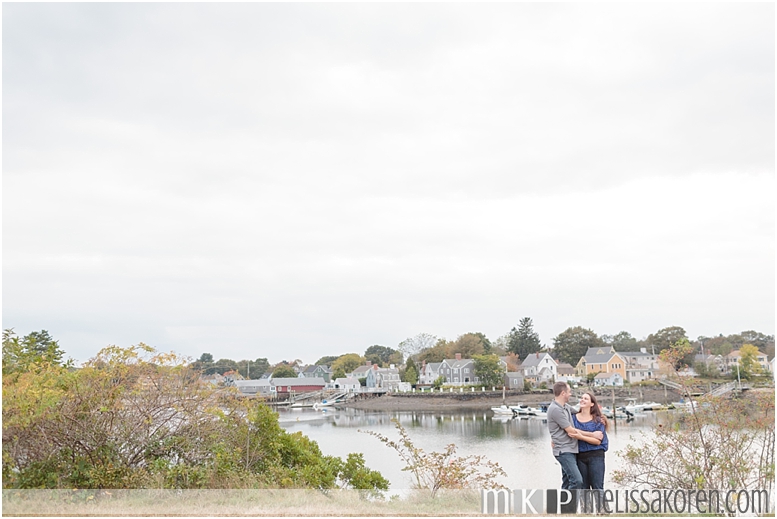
(591, 426)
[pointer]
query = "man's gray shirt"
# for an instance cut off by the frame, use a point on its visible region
(559, 418)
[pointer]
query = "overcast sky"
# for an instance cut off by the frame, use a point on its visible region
(298, 180)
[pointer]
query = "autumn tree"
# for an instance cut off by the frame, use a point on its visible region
(722, 444)
(572, 343)
(137, 418)
(523, 340)
(347, 363)
(748, 362)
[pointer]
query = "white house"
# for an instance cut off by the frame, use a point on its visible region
(351, 385)
(539, 368)
(429, 372)
(383, 378)
(640, 365)
(608, 379)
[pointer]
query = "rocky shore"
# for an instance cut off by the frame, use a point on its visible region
(455, 400)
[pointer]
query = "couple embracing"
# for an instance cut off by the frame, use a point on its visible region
(579, 439)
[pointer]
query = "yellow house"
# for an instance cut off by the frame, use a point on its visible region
(601, 360)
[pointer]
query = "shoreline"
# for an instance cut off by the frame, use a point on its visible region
(437, 401)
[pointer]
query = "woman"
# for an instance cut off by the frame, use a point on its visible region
(590, 457)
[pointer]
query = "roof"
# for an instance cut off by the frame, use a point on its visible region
(599, 355)
(601, 350)
(457, 363)
(361, 369)
(311, 381)
(348, 380)
(565, 369)
(534, 359)
(253, 382)
(608, 375)
(434, 366)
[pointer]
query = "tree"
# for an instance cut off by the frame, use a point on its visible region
(665, 337)
(221, 366)
(468, 345)
(415, 345)
(255, 369)
(442, 470)
(284, 371)
(621, 341)
(487, 346)
(33, 348)
(348, 362)
(383, 356)
(410, 374)
(524, 340)
(137, 418)
(436, 353)
(572, 343)
(326, 360)
(489, 370)
(206, 358)
(748, 362)
(723, 444)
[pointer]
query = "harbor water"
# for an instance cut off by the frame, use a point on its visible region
(521, 446)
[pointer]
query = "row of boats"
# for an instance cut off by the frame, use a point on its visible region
(627, 411)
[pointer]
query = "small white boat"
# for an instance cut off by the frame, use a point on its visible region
(520, 409)
(503, 410)
(321, 405)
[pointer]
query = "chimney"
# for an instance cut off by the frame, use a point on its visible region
(369, 363)
(458, 356)
(537, 355)
(643, 350)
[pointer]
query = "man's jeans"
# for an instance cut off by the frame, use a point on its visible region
(570, 474)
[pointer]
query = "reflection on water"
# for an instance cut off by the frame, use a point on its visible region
(520, 445)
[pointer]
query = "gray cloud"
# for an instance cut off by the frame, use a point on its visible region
(267, 178)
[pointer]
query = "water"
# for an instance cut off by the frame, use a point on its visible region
(520, 446)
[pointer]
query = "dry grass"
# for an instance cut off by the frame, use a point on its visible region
(297, 503)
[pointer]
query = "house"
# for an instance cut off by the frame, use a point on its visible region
(214, 379)
(714, 363)
(285, 386)
(352, 385)
(315, 371)
(640, 365)
(361, 371)
(566, 373)
(429, 373)
(540, 367)
(253, 387)
(608, 379)
(231, 376)
(731, 360)
(383, 378)
(459, 372)
(513, 380)
(601, 360)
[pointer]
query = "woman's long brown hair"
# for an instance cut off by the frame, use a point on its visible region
(596, 413)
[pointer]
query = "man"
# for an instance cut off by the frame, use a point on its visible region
(564, 436)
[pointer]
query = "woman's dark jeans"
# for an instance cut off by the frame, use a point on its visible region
(591, 466)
